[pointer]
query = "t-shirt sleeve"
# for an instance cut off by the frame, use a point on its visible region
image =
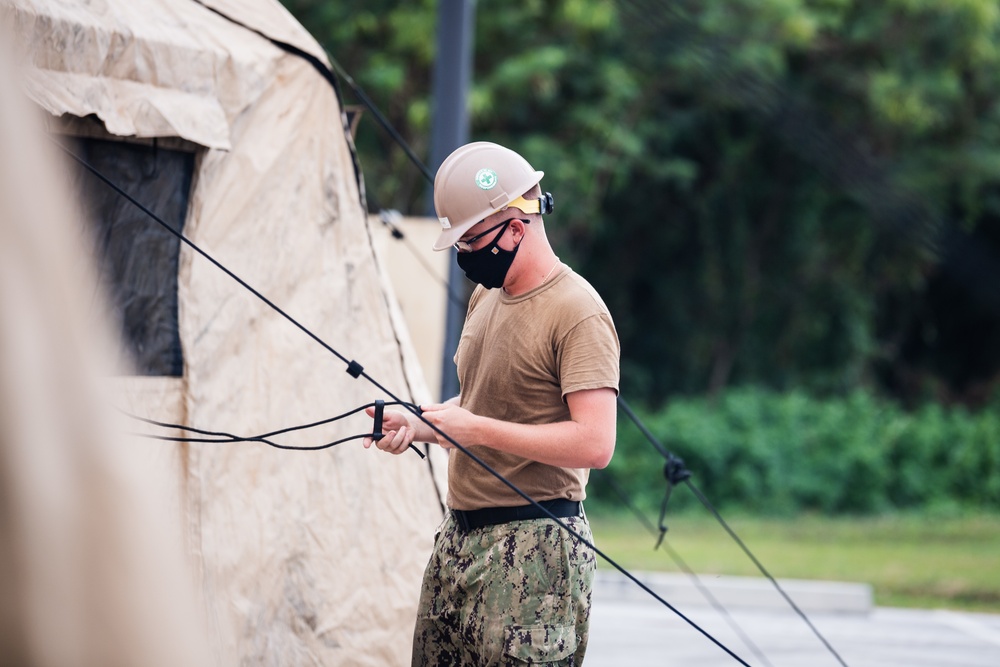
(588, 356)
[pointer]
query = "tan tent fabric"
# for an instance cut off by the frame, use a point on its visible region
(303, 557)
(130, 109)
(92, 565)
(146, 69)
(271, 19)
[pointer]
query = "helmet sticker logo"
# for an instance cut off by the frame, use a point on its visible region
(486, 178)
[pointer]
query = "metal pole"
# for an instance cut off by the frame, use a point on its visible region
(449, 130)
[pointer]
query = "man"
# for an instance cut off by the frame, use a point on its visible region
(538, 370)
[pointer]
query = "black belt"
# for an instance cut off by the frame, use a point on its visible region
(491, 516)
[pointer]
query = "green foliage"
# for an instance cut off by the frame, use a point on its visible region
(911, 559)
(781, 453)
(754, 186)
(816, 133)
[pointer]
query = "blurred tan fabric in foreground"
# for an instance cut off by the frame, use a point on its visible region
(89, 574)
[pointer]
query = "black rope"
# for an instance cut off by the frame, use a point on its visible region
(671, 459)
(356, 370)
(607, 477)
(704, 501)
(382, 120)
(224, 437)
(674, 471)
(235, 439)
(672, 466)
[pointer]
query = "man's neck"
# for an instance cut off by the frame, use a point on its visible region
(537, 274)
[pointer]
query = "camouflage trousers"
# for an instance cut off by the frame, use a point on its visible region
(512, 594)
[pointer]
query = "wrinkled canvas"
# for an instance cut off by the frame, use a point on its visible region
(302, 557)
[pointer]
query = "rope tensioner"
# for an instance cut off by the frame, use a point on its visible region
(675, 472)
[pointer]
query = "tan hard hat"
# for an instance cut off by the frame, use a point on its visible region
(475, 181)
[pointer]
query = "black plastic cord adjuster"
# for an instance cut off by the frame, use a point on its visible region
(355, 369)
(377, 431)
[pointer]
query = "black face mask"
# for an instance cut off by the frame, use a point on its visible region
(488, 266)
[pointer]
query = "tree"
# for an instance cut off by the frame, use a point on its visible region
(776, 192)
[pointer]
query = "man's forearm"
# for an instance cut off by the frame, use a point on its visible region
(567, 444)
(585, 440)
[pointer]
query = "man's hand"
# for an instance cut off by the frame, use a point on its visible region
(458, 423)
(397, 429)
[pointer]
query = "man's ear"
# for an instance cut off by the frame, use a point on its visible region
(517, 227)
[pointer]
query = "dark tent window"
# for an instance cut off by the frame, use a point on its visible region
(137, 257)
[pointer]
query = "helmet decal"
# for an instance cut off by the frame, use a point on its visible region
(486, 178)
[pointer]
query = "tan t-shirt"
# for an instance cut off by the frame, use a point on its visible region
(517, 359)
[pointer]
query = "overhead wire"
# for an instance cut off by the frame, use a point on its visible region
(356, 370)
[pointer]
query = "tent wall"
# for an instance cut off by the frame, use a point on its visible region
(89, 532)
(322, 552)
(303, 557)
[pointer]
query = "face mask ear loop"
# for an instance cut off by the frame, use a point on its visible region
(494, 245)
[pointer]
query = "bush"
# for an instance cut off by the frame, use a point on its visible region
(779, 453)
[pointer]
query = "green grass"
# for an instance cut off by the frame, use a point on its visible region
(910, 561)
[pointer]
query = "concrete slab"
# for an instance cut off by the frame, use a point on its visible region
(629, 630)
(743, 592)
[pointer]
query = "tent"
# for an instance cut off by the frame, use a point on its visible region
(84, 545)
(217, 115)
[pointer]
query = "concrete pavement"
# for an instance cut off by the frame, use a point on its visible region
(630, 628)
